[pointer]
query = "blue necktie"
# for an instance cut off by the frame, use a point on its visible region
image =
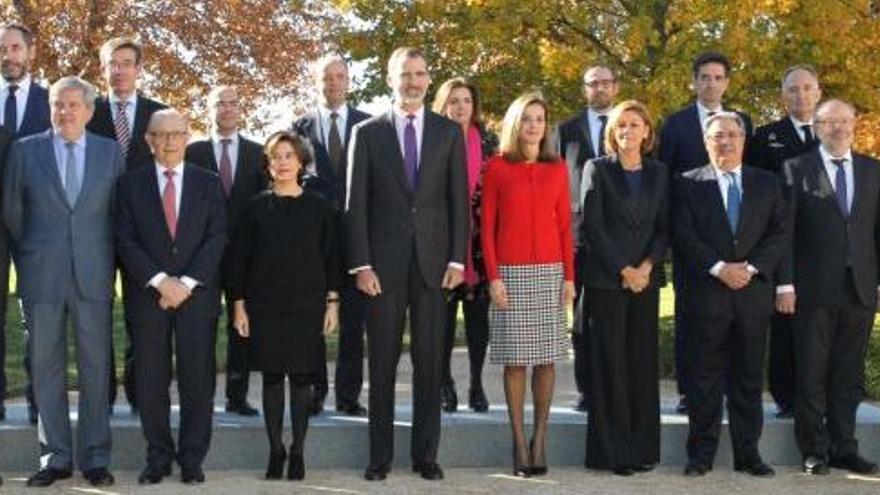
(71, 175)
(840, 186)
(411, 152)
(734, 199)
(10, 110)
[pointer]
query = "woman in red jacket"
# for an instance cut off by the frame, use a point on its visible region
(527, 248)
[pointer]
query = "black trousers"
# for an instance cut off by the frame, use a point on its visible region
(4, 294)
(386, 314)
(831, 341)
(682, 379)
(580, 337)
(623, 426)
(782, 365)
(192, 338)
(726, 344)
(349, 377)
(128, 373)
(237, 364)
(476, 326)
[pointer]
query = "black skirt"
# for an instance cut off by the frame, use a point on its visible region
(282, 342)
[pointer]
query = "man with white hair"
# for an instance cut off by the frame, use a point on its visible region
(58, 204)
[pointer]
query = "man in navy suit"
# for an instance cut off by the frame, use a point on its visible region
(122, 115)
(239, 163)
(581, 139)
(58, 204)
(773, 144)
(171, 233)
(328, 127)
(24, 110)
(682, 149)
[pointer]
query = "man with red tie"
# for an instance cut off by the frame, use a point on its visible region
(171, 232)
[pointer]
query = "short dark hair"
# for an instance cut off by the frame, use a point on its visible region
(302, 148)
(110, 46)
(405, 52)
(711, 58)
(26, 33)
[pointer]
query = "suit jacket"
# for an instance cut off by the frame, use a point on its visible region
(702, 234)
(621, 229)
(36, 112)
(47, 232)
(324, 181)
(576, 130)
(387, 221)
(6, 138)
(250, 175)
(776, 142)
(826, 240)
(102, 124)
(146, 247)
(681, 140)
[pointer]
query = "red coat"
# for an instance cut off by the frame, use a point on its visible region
(526, 215)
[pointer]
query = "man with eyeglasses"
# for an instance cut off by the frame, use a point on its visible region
(122, 115)
(171, 233)
(682, 148)
(830, 284)
(788, 137)
(730, 231)
(581, 138)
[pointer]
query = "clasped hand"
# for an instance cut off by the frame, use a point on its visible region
(172, 293)
(735, 275)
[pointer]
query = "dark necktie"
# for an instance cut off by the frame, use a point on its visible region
(808, 134)
(604, 120)
(334, 145)
(225, 166)
(169, 202)
(411, 152)
(10, 110)
(734, 200)
(122, 129)
(840, 186)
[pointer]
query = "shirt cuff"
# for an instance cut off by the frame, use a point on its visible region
(784, 289)
(751, 268)
(716, 269)
(157, 278)
(189, 282)
(457, 266)
(359, 269)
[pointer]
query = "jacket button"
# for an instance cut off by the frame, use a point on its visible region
(413, 209)
(174, 250)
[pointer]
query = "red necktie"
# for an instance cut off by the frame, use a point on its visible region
(169, 200)
(226, 167)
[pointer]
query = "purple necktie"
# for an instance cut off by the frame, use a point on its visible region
(411, 152)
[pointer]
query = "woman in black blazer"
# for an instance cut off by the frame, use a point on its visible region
(625, 233)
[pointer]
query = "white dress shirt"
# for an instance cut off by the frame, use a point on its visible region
(79, 153)
(21, 96)
(831, 170)
(595, 128)
(232, 150)
(154, 282)
(703, 111)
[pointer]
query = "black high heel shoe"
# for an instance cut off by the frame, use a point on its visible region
(520, 470)
(477, 400)
(276, 465)
(534, 469)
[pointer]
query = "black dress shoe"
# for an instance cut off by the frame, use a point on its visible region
(448, 398)
(429, 470)
(855, 464)
(784, 412)
(758, 469)
(477, 400)
(815, 465)
(316, 407)
(242, 409)
(192, 475)
(682, 407)
(376, 473)
(351, 409)
(275, 470)
(624, 471)
(2, 413)
(643, 468)
(696, 468)
(582, 404)
(153, 474)
(99, 477)
(296, 469)
(47, 476)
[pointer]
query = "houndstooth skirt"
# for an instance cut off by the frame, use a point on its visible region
(533, 330)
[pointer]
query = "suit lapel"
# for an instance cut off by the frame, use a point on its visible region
(823, 182)
(583, 125)
(618, 177)
(858, 185)
(711, 196)
(395, 157)
(92, 159)
(748, 198)
(187, 193)
(50, 166)
(648, 177)
(154, 199)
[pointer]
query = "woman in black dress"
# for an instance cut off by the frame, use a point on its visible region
(625, 233)
(284, 285)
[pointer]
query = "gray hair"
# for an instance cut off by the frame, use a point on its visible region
(834, 101)
(731, 116)
(325, 61)
(809, 69)
(73, 82)
(167, 113)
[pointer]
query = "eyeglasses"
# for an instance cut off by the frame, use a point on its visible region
(596, 83)
(169, 136)
(835, 122)
(719, 136)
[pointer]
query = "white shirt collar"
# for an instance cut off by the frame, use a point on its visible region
(704, 111)
(216, 137)
(324, 111)
(23, 85)
(798, 124)
(178, 169)
(115, 99)
(827, 157)
(719, 173)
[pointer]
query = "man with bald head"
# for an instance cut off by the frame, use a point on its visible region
(788, 137)
(58, 204)
(171, 232)
(730, 231)
(830, 284)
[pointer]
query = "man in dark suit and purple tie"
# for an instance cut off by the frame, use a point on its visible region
(328, 127)
(171, 233)
(24, 110)
(407, 216)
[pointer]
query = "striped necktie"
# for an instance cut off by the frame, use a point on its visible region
(123, 131)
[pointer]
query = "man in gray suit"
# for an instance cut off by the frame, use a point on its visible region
(58, 197)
